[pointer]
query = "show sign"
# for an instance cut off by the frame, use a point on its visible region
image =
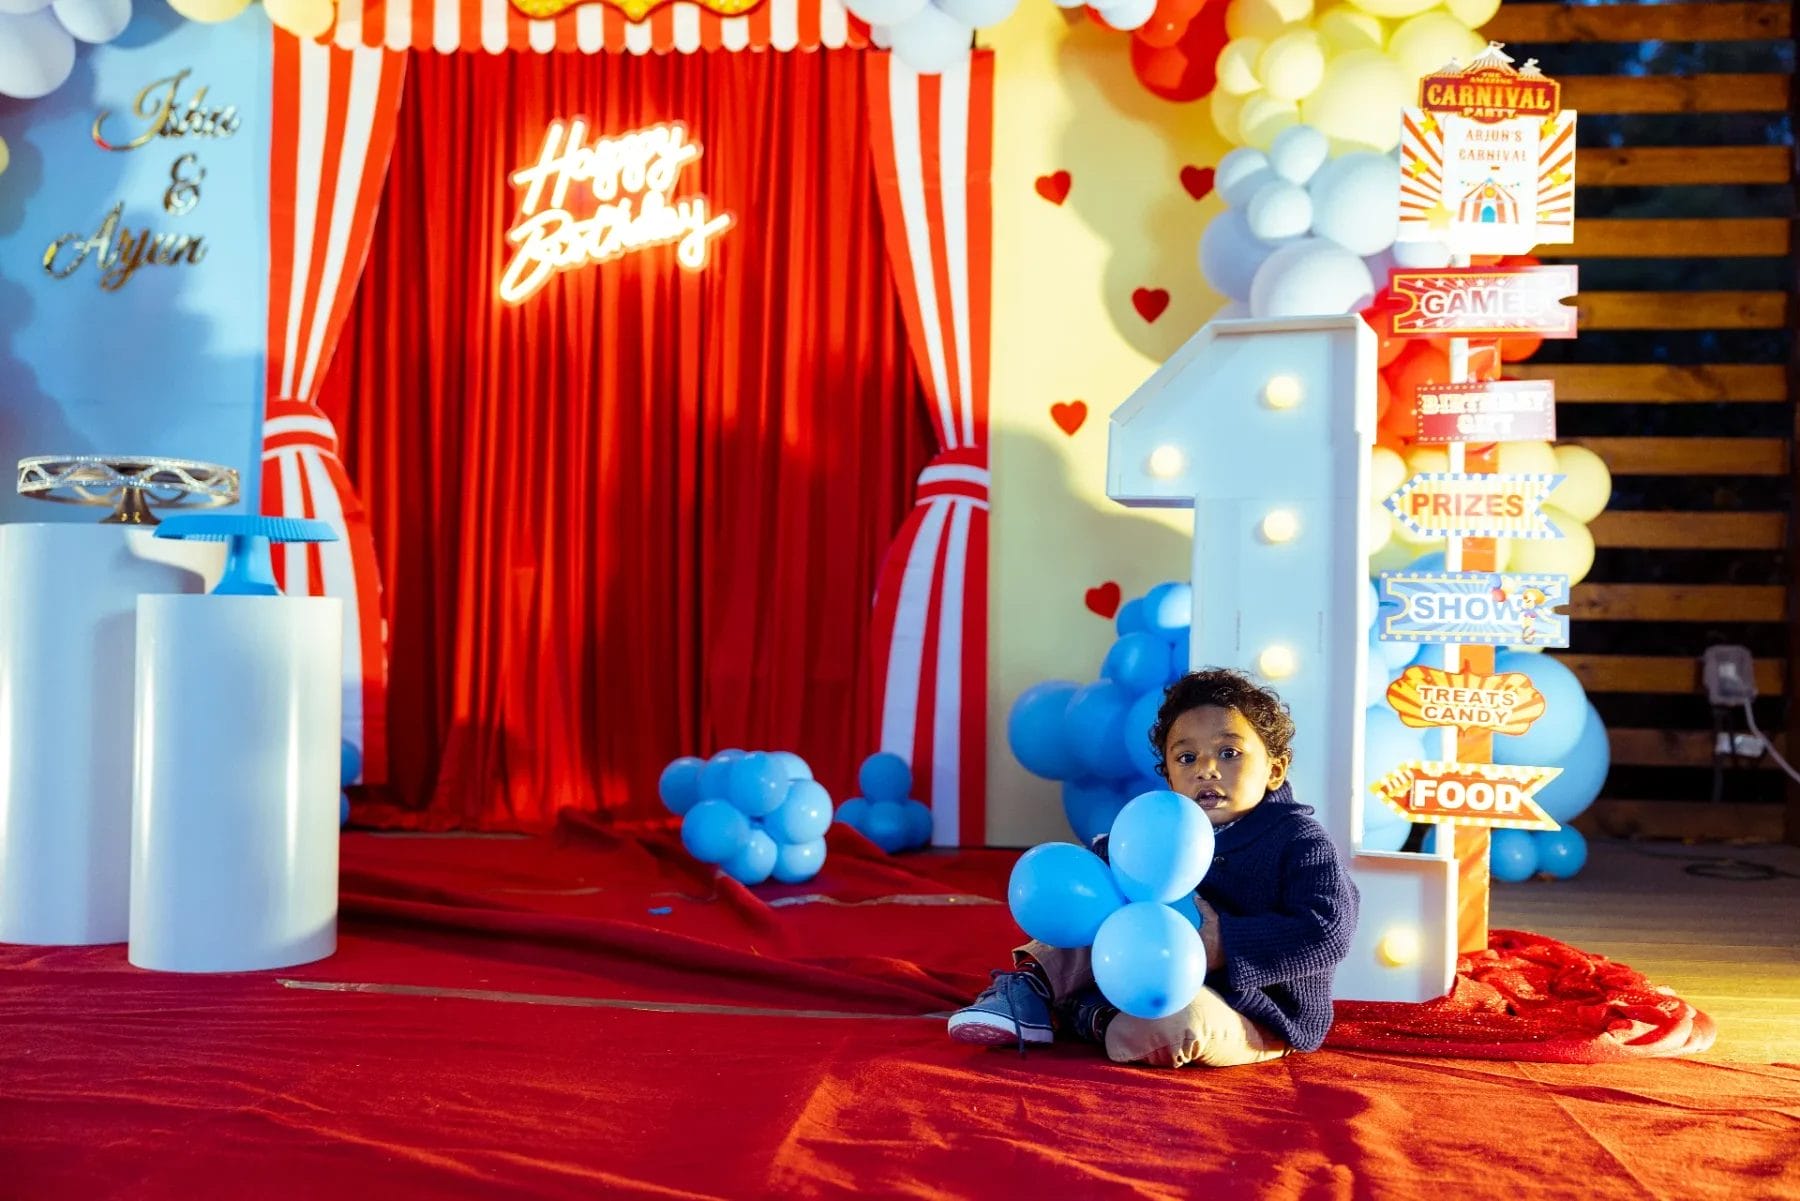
(1512, 410)
(1485, 302)
(1425, 697)
(1474, 608)
(1468, 794)
(1441, 503)
(626, 200)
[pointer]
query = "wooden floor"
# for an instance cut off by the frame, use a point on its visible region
(1729, 947)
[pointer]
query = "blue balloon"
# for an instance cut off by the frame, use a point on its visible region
(1091, 808)
(1387, 743)
(1130, 618)
(803, 816)
(679, 785)
(1390, 836)
(1034, 730)
(800, 861)
(886, 825)
(1189, 909)
(713, 831)
(758, 784)
(1137, 662)
(1375, 682)
(1584, 771)
(343, 809)
(753, 864)
(1060, 894)
(1554, 735)
(1512, 856)
(715, 777)
(854, 813)
(1134, 735)
(349, 763)
(884, 776)
(1560, 853)
(796, 766)
(1168, 610)
(1397, 655)
(1374, 604)
(1148, 960)
(1161, 846)
(918, 824)
(1179, 656)
(1093, 728)
(1430, 561)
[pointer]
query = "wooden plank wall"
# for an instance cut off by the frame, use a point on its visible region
(1680, 381)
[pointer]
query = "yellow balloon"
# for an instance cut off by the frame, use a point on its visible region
(1392, 554)
(1387, 471)
(1428, 42)
(1346, 28)
(1237, 66)
(1225, 109)
(308, 19)
(1421, 459)
(1381, 529)
(1526, 458)
(1571, 555)
(1263, 117)
(1292, 65)
(1264, 18)
(5, 156)
(1587, 486)
(1395, 9)
(1473, 13)
(209, 12)
(1358, 102)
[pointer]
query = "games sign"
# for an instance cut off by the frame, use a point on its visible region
(1485, 302)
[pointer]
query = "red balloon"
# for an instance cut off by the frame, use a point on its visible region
(1185, 70)
(1160, 32)
(1520, 348)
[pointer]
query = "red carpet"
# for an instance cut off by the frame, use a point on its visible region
(398, 1068)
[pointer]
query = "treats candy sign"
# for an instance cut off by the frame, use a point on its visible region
(1424, 697)
(1487, 160)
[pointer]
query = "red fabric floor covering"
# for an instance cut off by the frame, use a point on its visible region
(665, 1058)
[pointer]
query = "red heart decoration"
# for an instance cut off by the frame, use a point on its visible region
(1150, 302)
(1054, 187)
(1198, 181)
(1069, 416)
(1105, 599)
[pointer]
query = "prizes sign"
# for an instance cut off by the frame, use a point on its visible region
(1487, 160)
(629, 180)
(1468, 794)
(1441, 503)
(1428, 696)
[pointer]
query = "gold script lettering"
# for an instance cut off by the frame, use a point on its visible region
(159, 106)
(629, 179)
(118, 251)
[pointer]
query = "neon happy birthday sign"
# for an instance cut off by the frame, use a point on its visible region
(630, 179)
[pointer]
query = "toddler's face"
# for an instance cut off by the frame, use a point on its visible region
(1216, 757)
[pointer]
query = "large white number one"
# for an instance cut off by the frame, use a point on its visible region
(1264, 428)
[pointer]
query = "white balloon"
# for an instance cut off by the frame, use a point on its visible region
(885, 12)
(93, 21)
(1240, 174)
(19, 8)
(978, 14)
(1421, 256)
(1298, 152)
(1234, 310)
(880, 38)
(932, 41)
(1279, 212)
(1379, 265)
(1230, 254)
(1313, 277)
(36, 54)
(1126, 15)
(1356, 201)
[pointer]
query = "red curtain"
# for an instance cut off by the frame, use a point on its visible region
(642, 513)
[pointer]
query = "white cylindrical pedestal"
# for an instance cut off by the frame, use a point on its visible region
(68, 600)
(234, 835)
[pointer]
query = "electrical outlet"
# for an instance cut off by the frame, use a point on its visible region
(1730, 675)
(1747, 746)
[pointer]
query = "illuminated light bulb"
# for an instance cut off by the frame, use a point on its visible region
(1276, 663)
(1282, 392)
(1399, 946)
(1280, 526)
(1166, 462)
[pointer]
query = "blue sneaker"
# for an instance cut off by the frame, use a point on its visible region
(1014, 1008)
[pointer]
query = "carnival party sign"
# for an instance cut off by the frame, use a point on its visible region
(1438, 504)
(1474, 607)
(1493, 302)
(1510, 410)
(1424, 697)
(1468, 794)
(1487, 160)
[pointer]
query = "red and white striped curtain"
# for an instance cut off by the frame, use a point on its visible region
(333, 128)
(933, 142)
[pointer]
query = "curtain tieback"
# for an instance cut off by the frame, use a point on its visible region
(955, 474)
(289, 424)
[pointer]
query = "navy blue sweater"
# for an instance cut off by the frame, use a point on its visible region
(1287, 910)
